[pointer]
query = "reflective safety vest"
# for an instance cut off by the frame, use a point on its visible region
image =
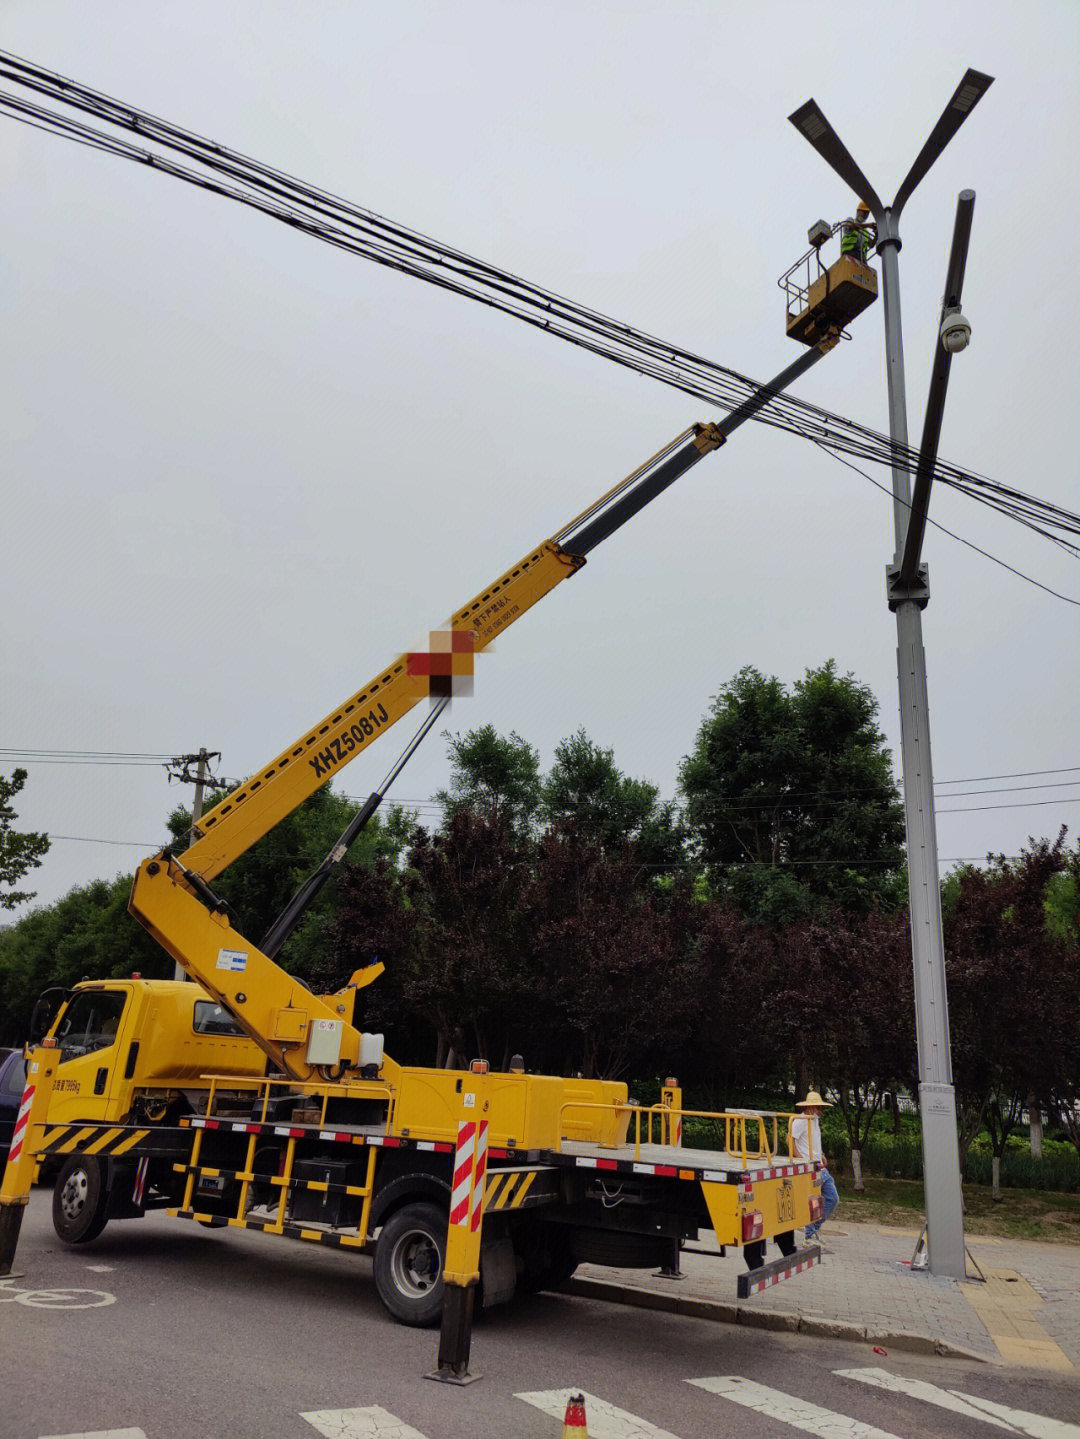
(855, 240)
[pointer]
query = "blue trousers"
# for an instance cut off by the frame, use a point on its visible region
(831, 1198)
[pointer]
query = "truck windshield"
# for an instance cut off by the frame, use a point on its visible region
(89, 1023)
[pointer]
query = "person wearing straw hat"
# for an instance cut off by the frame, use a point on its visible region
(805, 1142)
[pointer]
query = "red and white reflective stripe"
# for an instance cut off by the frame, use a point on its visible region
(461, 1189)
(478, 1177)
(783, 1274)
(140, 1180)
(22, 1122)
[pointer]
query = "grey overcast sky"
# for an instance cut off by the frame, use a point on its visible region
(243, 470)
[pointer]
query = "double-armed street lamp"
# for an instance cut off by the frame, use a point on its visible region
(908, 593)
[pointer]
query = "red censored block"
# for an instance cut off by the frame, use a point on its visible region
(447, 665)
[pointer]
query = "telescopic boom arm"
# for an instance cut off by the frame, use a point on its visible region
(172, 895)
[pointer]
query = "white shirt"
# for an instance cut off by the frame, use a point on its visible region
(806, 1137)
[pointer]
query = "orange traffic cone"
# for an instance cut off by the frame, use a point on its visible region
(574, 1424)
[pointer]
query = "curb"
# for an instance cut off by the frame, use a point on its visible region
(719, 1312)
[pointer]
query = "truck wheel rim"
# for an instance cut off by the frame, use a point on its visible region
(415, 1264)
(73, 1195)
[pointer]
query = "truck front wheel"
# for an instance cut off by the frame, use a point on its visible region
(409, 1256)
(80, 1205)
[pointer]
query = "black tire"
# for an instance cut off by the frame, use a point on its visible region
(80, 1207)
(619, 1248)
(409, 1256)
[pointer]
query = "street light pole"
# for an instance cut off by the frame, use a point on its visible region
(937, 1101)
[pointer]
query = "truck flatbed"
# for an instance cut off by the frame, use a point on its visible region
(711, 1166)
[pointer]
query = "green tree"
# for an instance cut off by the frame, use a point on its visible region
(18, 852)
(494, 775)
(790, 800)
(585, 785)
(87, 934)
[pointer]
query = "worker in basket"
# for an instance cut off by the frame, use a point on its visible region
(858, 235)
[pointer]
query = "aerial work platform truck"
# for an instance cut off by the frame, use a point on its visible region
(247, 1101)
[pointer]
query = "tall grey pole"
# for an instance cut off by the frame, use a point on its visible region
(937, 1100)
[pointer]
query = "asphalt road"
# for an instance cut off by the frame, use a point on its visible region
(166, 1330)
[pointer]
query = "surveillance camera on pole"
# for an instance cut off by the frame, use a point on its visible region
(955, 332)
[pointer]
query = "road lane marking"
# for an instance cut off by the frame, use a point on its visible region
(603, 1420)
(920, 1389)
(1015, 1421)
(55, 1298)
(789, 1409)
(99, 1434)
(1038, 1426)
(360, 1424)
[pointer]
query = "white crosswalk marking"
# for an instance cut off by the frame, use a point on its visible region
(1035, 1425)
(603, 1420)
(789, 1409)
(99, 1434)
(920, 1389)
(1001, 1416)
(360, 1424)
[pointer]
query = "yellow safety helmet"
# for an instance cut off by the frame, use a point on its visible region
(862, 210)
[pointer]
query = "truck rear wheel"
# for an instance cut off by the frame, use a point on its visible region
(409, 1256)
(80, 1207)
(619, 1248)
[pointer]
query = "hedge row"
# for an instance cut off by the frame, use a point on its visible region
(901, 1158)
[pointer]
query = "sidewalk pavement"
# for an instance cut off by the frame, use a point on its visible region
(1026, 1312)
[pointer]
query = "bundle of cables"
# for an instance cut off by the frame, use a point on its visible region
(359, 231)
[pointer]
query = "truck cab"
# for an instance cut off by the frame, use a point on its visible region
(140, 1049)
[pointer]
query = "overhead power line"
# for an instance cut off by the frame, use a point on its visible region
(1017, 774)
(330, 218)
(83, 757)
(687, 864)
(1020, 575)
(943, 788)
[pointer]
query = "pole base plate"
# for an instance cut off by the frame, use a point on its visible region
(448, 1376)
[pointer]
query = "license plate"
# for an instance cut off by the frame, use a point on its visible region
(785, 1203)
